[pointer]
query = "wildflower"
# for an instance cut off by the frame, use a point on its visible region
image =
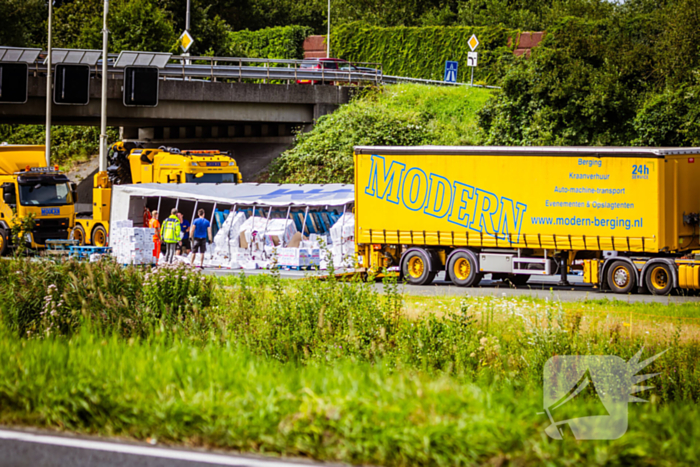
(473, 354)
(483, 341)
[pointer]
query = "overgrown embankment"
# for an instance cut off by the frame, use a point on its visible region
(402, 115)
(69, 144)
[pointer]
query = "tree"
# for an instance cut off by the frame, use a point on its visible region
(23, 23)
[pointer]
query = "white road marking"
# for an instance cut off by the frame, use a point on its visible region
(142, 450)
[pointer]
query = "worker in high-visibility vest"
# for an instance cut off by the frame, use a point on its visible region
(155, 225)
(170, 233)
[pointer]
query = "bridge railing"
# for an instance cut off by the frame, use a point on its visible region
(244, 69)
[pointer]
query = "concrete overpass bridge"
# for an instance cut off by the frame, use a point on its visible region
(252, 107)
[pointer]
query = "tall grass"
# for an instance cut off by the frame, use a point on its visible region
(320, 322)
(325, 369)
(214, 395)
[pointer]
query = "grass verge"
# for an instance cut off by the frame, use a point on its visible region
(213, 395)
(328, 370)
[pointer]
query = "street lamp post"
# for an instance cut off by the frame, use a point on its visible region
(103, 116)
(328, 37)
(48, 91)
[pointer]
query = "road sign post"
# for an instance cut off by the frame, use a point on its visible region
(471, 62)
(472, 56)
(451, 68)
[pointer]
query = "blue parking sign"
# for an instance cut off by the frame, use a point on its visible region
(451, 71)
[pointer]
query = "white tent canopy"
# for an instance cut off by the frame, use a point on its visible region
(244, 194)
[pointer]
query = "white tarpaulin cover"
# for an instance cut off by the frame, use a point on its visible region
(244, 194)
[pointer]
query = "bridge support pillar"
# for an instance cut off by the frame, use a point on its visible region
(146, 134)
(324, 109)
(128, 132)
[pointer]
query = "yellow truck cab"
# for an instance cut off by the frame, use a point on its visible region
(149, 165)
(170, 165)
(31, 188)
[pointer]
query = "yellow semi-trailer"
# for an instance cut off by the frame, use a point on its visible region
(629, 216)
(31, 188)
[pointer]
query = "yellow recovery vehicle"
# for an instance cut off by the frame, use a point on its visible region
(627, 216)
(130, 164)
(31, 188)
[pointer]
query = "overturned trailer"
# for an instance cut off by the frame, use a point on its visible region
(313, 209)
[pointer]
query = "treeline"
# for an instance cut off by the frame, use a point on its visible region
(608, 72)
(627, 75)
(155, 25)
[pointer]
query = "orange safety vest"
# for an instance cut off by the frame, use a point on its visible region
(154, 224)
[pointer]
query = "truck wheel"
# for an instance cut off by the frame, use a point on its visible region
(3, 242)
(659, 279)
(79, 235)
(416, 268)
(621, 277)
(463, 270)
(99, 236)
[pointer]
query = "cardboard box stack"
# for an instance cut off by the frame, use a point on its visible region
(131, 245)
(298, 257)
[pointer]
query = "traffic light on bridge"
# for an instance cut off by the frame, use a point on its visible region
(141, 86)
(13, 83)
(71, 85)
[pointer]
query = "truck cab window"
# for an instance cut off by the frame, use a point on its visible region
(212, 178)
(37, 194)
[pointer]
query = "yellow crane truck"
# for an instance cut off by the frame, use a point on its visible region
(131, 164)
(29, 187)
(627, 216)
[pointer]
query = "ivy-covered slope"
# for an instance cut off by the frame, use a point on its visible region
(421, 52)
(390, 116)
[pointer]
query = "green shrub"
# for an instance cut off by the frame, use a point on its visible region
(568, 93)
(177, 290)
(285, 42)
(670, 118)
(49, 298)
(401, 115)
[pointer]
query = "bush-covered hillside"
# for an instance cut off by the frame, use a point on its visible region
(394, 115)
(69, 144)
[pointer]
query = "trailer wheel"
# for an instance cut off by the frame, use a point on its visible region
(621, 277)
(79, 235)
(3, 242)
(99, 236)
(463, 270)
(659, 279)
(416, 268)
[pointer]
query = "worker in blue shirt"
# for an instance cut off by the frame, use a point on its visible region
(200, 231)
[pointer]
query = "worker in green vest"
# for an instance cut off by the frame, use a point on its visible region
(170, 233)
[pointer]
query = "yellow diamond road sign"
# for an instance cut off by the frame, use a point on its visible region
(186, 41)
(473, 42)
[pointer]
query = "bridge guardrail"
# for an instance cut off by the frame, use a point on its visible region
(244, 68)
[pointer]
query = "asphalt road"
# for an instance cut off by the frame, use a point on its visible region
(539, 287)
(34, 448)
